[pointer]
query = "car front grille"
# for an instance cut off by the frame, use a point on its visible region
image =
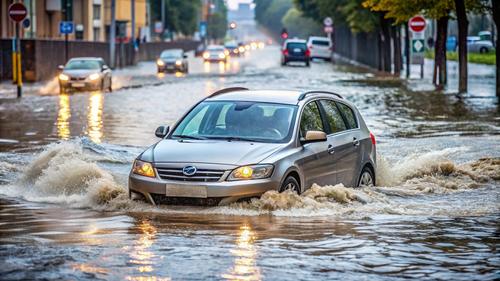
(201, 175)
(77, 78)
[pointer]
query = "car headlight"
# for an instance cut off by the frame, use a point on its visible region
(178, 62)
(143, 168)
(94, 76)
(222, 55)
(251, 172)
(206, 55)
(63, 77)
(160, 63)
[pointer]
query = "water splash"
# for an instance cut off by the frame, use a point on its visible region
(72, 173)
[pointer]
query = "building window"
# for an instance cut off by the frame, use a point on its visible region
(97, 34)
(97, 11)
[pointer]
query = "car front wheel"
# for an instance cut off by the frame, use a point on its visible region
(290, 183)
(366, 178)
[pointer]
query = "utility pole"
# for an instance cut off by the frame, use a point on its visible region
(132, 9)
(112, 35)
(162, 19)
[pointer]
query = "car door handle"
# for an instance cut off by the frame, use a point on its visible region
(330, 149)
(355, 142)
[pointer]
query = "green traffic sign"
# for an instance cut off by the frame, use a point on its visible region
(418, 45)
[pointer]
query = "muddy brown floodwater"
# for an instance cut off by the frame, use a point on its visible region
(64, 211)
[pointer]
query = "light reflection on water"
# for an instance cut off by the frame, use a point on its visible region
(94, 117)
(245, 262)
(63, 116)
(141, 254)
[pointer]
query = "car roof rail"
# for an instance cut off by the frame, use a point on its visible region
(304, 94)
(227, 90)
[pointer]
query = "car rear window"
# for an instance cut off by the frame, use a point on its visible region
(349, 115)
(320, 42)
(293, 45)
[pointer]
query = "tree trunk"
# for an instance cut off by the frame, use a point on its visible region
(407, 49)
(386, 44)
(496, 17)
(463, 25)
(396, 41)
(440, 52)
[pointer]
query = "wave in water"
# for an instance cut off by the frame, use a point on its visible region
(72, 173)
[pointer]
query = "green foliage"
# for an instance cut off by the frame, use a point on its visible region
(488, 58)
(217, 26)
(300, 26)
(349, 13)
(181, 15)
(269, 13)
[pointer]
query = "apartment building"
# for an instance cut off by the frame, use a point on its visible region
(91, 18)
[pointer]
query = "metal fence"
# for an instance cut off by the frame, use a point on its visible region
(40, 58)
(361, 47)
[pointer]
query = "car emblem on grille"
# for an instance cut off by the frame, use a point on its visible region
(189, 170)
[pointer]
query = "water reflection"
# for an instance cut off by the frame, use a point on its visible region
(245, 267)
(63, 115)
(142, 255)
(94, 117)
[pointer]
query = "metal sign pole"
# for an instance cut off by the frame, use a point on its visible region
(18, 59)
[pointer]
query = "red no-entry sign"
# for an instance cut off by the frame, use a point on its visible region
(417, 24)
(17, 12)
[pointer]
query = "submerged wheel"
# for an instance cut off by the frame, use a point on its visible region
(366, 178)
(290, 183)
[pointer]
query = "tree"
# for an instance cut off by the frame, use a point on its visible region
(495, 9)
(300, 26)
(269, 14)
(463, 25)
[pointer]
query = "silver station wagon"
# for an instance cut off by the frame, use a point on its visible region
(240, 143)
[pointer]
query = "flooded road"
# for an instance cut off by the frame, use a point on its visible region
(65, 213)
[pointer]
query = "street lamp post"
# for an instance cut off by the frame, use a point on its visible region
(112, 35)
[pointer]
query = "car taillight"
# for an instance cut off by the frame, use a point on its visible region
(374, 142)
(285, 52)
(308, 52)
(310, 46)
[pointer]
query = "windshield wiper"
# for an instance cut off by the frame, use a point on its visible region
(234, 139)
(189, 137)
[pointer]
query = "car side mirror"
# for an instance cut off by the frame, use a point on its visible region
(314, 136)
(60, 67)
(162, 131)
(185, 56)
(105, 67)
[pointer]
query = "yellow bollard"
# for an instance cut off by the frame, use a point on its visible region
(19, 70)
(14, 67)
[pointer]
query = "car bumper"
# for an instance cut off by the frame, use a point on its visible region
(81, 85)
(170, 67)
(292, 59)
(221, 189)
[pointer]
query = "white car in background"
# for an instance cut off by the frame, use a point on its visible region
(477, 45)
(320, 47)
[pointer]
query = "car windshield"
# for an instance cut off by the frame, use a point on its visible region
(321, 42)
(83, 64)
(238, 120)
(171, 54)
(215, 49)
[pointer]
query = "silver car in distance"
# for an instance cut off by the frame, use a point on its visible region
(240, 143)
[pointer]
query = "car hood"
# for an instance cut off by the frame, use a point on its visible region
(212, 151)
(80, 72)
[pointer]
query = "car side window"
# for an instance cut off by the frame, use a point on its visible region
(333, 117)
(349, 115)
(311, 119)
